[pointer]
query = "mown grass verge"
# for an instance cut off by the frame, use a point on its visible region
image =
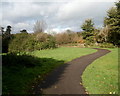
(101, 77)
(20, 71)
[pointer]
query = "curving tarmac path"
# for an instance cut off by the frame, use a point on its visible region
(66, 79)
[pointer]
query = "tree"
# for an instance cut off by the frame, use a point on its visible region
(41, 37)
(6, 37)
(88, 30)
(23, 31)
(113, 21)
(62, 38)
(102, 35)
(40, 26)
(2, 30)
(8, 30)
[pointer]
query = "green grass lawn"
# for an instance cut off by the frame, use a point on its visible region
(101, 77)
(20, 72)
(63, 53)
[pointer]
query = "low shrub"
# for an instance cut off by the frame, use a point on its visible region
(107, 45)
(88, 43)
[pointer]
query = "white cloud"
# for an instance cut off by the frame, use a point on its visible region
(17, 10)
(6, 23)
(72, 9)
(58, 15)
(58, 30)
(57, 0)
(22, 25)
(82, 10)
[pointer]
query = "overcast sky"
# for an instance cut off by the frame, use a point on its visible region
(59, 16)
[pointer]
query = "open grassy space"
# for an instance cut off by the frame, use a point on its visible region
(20, 72)
(63, 53)
(101, 77)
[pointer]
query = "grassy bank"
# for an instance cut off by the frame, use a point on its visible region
(20, 71)
(101, 77)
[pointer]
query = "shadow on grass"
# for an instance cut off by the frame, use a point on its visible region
(19, 71)
(50, 79)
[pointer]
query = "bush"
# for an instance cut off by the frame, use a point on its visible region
(67, 37)
(29, 42)
(107, 45)
(88, 43)
(21, 42)
(50, 43)
(42, 37)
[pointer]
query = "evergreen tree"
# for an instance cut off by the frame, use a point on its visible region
(6, 37)
(113, 21)
(2, 30)
(88, 30)
(24, 31)
(8, 30)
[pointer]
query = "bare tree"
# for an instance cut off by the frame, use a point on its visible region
(40, 26)
(102, 36)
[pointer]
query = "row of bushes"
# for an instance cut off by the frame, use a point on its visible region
(22, 42)
(107, 45)
(68, 37)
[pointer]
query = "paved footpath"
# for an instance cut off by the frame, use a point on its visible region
(67, 78)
